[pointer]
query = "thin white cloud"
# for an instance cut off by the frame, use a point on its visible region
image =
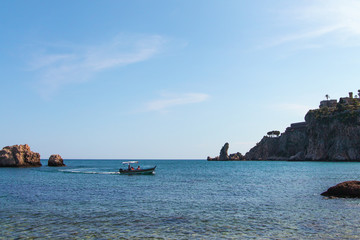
(78, 64)
(297, 109)
(322, 22)
(171, 100)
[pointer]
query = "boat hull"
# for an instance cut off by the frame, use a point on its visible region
(146, 171)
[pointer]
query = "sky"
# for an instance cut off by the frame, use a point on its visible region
(166, 79)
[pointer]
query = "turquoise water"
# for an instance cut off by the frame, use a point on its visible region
(183, 200)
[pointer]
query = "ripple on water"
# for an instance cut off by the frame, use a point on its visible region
(184, 200)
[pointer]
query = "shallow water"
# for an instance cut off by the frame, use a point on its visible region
(183, 200)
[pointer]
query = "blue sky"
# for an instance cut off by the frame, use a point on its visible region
(168, 79)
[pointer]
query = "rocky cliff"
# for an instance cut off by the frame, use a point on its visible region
(333, 135)
(291, 144)
(19, 156)
(328, 134)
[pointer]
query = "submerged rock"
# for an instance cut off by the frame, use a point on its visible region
(349, 189)
(56, 160)
(19, 156)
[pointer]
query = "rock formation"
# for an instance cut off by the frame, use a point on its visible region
(224, 156)
(328, 134)
(19, 156)
(224, 152)
(333, 135)
(291, 144)
(56, 160)
(349, 189)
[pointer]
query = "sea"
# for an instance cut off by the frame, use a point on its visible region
(184, 199)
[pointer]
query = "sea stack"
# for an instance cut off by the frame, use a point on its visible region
(224, 156)
(56, 160)
(19, 156)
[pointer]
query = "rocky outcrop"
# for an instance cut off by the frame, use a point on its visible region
(56, 160)
(349, 189)
(267, 148)
(224, 156)
(19, 156)
(224, 152)
(290, 144)
(328, 134)
(333, 136)
(236, 157)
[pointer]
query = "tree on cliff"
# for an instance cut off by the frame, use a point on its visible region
(327, 96)
(273, 133)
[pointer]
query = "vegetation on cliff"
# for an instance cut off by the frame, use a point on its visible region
(344, 113)
(329, 133)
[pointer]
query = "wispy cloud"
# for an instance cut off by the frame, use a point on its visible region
(76, 64)
(170, 100)
(322, 23)
(297, 109)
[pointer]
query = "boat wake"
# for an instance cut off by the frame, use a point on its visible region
(87, 171)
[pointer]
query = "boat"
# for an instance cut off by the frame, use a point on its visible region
(136, 171)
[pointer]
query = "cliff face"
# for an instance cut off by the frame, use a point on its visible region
(289, 144)
(267, 148)
(329, 134)
(333, 135)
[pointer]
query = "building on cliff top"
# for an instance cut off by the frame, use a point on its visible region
(350, 100)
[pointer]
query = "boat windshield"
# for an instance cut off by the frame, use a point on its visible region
(130, 162)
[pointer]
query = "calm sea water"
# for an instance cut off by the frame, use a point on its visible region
(183, 200)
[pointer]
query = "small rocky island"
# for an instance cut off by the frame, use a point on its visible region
(19, 156)
(56, 160)
(329, 133)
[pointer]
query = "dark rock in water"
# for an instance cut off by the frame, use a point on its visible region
(56, 160)
(224, 156)
(349, 189)
(19, 156)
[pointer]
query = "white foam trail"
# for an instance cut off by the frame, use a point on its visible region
(85, 171)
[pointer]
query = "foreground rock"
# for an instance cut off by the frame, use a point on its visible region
(19, 156)
(349, 189)
(224, 156)
(56, 160)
